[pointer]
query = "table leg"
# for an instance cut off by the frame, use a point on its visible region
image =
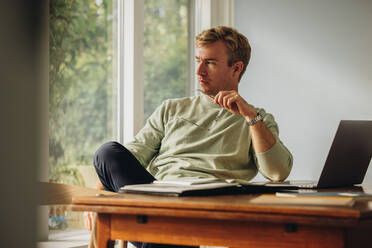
(104, 231)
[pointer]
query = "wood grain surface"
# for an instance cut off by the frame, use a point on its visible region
(57, 193)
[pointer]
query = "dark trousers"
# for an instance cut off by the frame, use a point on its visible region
(117, 167)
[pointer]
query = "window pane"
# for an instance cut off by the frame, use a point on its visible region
(82, 91)
(165, 51)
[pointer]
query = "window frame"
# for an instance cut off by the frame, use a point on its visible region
(130, 69)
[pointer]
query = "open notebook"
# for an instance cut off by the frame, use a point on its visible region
(185, 187)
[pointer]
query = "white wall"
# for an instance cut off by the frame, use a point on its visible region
(311, 67)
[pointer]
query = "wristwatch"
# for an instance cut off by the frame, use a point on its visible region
(255, 120)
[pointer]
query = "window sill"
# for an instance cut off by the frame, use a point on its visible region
(66, 239)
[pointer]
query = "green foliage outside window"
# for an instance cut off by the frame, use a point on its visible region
(81, 93)
(82, 87)
(82, 82)
(165, 51)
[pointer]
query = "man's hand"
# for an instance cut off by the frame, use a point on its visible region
(262, 137)
(233, 102)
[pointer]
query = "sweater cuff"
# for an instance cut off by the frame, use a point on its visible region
(275, 164)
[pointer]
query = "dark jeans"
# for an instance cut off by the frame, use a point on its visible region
(116, 167)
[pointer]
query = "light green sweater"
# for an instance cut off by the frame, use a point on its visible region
(194, 137)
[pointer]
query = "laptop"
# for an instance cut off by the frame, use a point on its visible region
(347, 161)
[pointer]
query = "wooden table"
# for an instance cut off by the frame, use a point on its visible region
(232, 221)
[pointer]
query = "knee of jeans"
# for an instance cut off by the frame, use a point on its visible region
(105, 152)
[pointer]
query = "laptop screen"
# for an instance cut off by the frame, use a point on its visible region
(349, 155)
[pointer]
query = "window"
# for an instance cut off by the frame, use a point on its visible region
(165, 51)
(82, 93)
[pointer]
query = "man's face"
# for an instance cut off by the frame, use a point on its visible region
(213, 71)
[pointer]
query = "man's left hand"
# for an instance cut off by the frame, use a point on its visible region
(233, 102)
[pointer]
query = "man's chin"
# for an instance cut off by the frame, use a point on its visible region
(204, 91)
(205, 88)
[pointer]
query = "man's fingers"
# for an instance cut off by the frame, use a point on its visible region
(233, 104)
(228, 99)
(219, 99)
(231, 101)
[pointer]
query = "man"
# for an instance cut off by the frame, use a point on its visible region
(215, 135)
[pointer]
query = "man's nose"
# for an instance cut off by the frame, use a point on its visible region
(201, 69)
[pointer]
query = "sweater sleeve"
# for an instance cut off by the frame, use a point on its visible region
(276, 163)
(146, 143)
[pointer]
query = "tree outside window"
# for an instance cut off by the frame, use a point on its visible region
(82, 91)
(82, 86)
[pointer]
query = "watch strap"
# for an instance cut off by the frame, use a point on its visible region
(255, 120)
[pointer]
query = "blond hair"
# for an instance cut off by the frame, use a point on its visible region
(238, 48)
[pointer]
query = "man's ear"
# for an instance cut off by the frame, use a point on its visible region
(238, 67)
